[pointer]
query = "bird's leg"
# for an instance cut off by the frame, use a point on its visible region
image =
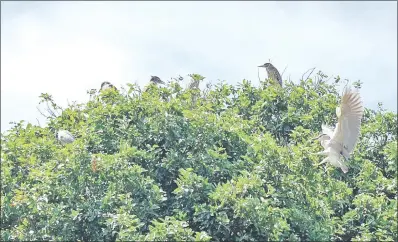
(324, 161)
(321, 153)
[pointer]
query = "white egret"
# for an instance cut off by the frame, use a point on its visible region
(343, 139)
(65, 137)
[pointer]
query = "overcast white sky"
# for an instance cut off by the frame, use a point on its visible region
(67, 48)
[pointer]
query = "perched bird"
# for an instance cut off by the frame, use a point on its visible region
(153, 81)
(195, 81)
(343, 139)
(65, 137)
(272, 72)
(107, 85)
(156, 80)
(194, 84)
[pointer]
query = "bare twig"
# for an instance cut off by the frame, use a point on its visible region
(38, 122)
(41, 112)
(50, 111)
(312, 70)
(283, 71)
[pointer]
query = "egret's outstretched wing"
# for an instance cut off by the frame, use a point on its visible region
(349, 122)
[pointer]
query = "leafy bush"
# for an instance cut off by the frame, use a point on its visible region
(226, 163)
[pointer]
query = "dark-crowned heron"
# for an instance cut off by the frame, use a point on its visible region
(153, 81)
(272, 72)
(107, 85)
(343, 139)
(156, 80)
(65, 137)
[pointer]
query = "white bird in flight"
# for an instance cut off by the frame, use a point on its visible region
(343, 139)
(65, 137)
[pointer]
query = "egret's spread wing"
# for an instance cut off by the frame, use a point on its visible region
(349, 122)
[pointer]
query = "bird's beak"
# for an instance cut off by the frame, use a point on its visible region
(261, 66)
(319, 136)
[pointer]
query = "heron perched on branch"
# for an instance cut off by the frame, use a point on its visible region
(156, 80)
(272, 72)
(107, 85)
(343, 139)
(65, 137)
(195, 81)
(153, 81)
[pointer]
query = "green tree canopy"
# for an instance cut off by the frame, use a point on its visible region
(225, 163)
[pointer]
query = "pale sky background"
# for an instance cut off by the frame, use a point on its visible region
(67, 48)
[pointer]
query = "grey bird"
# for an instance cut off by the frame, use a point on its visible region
(107, 85)
(272, 72)
(194, 84)
(65, 137)
(156, 80)
(343, 139)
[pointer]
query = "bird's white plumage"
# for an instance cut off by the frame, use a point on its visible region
(65, 137)
(342, 140)
(351, 109)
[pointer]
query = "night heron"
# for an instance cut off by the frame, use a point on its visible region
(272, 72)
(343, 139)
(65, 137)
(153, 81)
(156, 80)
(107, 85)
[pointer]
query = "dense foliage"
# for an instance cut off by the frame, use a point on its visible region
(225, 163)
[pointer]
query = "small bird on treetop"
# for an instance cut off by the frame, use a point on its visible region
(272, 72)
(195, 81)
(107, 85)
(156, 80)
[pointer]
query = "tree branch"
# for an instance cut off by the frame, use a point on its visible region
(312, 70)
(283, 71)
(41, 112)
